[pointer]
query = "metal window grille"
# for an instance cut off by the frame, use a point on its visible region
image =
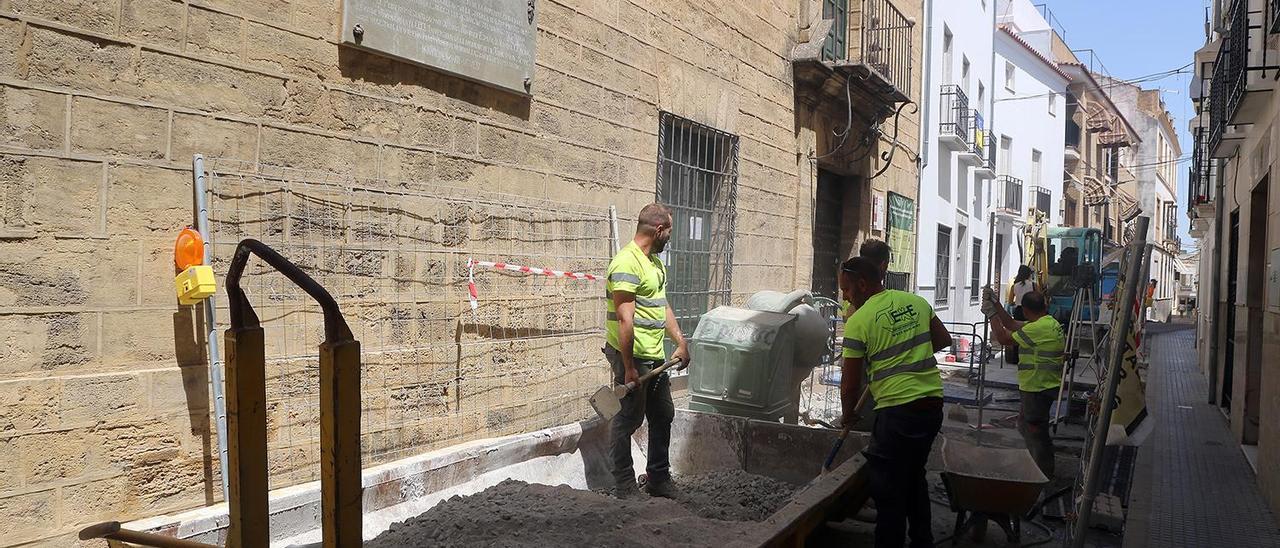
(975, 272)
(698, 180)
(394, 255)
(943, 279)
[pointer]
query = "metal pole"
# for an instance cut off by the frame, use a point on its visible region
(991, 221)
(1124, 307)
(210, 323)
(613, 223)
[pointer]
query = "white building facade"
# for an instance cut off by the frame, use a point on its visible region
(1030, 107)
(992, 147)
(956, 162)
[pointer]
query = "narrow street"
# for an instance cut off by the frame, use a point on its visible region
(1193, 486)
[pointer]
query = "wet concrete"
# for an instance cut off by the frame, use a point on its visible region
(707, 509)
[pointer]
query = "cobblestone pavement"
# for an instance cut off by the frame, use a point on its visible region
(1193, 486)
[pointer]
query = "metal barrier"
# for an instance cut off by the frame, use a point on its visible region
(977, 351)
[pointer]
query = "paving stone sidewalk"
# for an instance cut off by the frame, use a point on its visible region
(1193, 486)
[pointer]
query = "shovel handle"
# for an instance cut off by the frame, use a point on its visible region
(651, 374)
(844, 433)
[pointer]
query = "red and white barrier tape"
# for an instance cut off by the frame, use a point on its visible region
(550, 273)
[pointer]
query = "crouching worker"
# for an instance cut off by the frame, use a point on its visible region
(1040, 346)
(894, 334)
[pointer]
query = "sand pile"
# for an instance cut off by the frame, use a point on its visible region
(715, 508)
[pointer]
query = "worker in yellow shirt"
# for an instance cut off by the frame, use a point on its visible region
(1040, 344)
(637, 318)
(893, 336)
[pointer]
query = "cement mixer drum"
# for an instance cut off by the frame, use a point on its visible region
(812, 332)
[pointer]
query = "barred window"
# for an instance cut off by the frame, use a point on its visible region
(975, 277)
(698, 180)
(943, 279)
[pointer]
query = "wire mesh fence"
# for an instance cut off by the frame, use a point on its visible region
(396, 257)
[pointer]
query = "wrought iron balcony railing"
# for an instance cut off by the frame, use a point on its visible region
(1042, 198)
(1230, 72)
(874, 33)
(1008, 194)
(1199, 183)
(955, 114)
(1073, 136)
(1273, 14)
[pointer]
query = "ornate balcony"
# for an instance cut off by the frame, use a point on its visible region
(864, 43)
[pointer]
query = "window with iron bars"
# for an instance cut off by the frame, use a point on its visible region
(975, 276)
(943, 279)
(698, 180)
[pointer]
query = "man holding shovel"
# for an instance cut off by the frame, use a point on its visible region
(893, 335)
(638, 317)
(1040, 345)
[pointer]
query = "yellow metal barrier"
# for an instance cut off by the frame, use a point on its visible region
(340, 489)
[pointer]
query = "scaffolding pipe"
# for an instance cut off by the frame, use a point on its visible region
(210, 324)
(613, 223)
(1124, 306)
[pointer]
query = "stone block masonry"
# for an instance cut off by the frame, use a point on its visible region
(104, 396)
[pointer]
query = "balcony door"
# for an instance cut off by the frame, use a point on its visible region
(1006, 152)
(948, 76)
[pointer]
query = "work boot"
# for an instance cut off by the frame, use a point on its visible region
(626, 490)
(665, 489)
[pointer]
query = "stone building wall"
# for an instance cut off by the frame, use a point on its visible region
(104, 394)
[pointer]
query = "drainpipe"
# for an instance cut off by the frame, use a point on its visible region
(1215, 314)
(926, 103)
(925, 89)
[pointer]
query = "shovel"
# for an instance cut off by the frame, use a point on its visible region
(607, 401)
(831, 457)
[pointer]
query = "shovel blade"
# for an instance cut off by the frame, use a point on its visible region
(605, 402)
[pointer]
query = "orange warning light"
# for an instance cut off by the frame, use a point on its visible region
(188, 251)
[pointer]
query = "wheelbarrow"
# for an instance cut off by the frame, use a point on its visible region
(990, 483)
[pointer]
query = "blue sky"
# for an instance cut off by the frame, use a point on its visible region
(1140, 37)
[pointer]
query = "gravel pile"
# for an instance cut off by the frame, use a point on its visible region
(718, 508)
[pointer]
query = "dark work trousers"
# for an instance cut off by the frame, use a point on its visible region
(1033, 424)
(900, 442)
(651, 401)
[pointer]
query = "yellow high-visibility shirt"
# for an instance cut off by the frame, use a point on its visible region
(1040, 348)
(891, 331)
(632, 271)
